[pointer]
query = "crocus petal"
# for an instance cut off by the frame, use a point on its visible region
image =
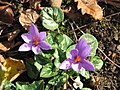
(36, 49)
(76, 67)
(85, 51)
(27, 37)
(74, 53)
(66, 64)
(44, 45)
(42, 36)
(87, 65)
(25, 47)
(33, 30)
(81, 44)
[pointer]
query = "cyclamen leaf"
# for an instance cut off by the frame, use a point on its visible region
(7, 85)
(36, 85)
(51, 17)
(97, 62)
(33, 68)
(90, 7)
(59, 40)
(59, 80)
(48, 71)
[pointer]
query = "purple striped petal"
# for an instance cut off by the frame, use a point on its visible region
(85, 51)
(66, 64)
(27, 37)
(36, 49)
(25, 47)
(44, 45)
(74, 53)
(81, 44)
(33, 30)
(87, 65)
(42, 36)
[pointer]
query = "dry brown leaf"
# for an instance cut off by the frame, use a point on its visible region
(90, 7)
(27, 17)
(2, 59)
(8, 44)
(56, 3)
(6, 14)
(3, 48)
(14, 68)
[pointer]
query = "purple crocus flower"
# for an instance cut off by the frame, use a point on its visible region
(34, 41)
(77, 58)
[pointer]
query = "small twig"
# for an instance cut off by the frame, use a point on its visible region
(112, 15)
(79, 27)
(74, 32)
(108, 58)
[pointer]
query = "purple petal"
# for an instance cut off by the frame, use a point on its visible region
(66, 64)
(85, 51)
(42, 36)
(81, 44)
(33, 30)
(74, 53)
(76, 66)
(44, 45)
(27, 37)
(36, 49)
(25, 47)
(87, 65)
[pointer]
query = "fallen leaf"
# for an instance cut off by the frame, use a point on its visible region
(56, 3)
(27, 17)
(13, 67)
(90, 7)
(6, 14)
(8, 44)
(3, 47)
(2, 59)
